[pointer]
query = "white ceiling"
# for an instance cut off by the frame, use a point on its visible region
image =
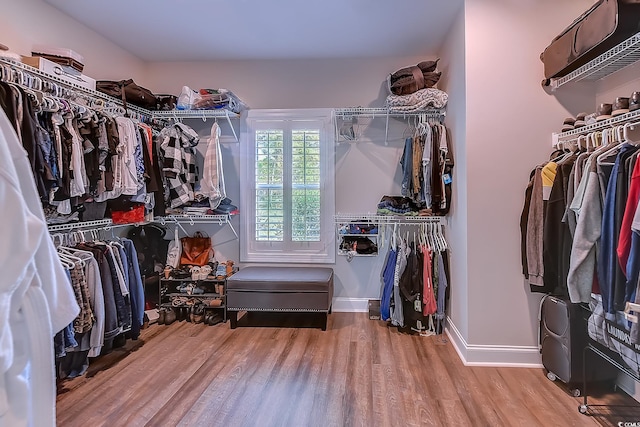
(194, 30)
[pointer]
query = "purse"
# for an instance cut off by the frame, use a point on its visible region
(128, 91)
(196, 250)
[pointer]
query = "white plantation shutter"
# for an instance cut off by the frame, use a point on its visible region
(269, 181)
(305, 187)
(287, 187)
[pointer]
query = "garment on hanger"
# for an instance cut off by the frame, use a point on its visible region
(36, 299)
(212, 185)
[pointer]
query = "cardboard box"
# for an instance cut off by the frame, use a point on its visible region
(59, 71)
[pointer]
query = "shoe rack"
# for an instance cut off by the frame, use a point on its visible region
(182, 294)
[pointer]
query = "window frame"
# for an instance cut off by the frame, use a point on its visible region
(252, 250)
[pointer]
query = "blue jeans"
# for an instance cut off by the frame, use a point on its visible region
(407, 167)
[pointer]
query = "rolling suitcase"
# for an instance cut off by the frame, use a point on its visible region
(563, 338)
(563, 335)
(606, 24)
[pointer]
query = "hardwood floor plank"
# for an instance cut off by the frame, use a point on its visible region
(328, 409)
(269, 372)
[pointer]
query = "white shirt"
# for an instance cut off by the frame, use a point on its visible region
(32, 308)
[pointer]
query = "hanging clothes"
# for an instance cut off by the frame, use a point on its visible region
(36, 299)
(178, 144)
(212, 184)
(387, 284)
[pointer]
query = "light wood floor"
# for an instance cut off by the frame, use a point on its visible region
(358, 373)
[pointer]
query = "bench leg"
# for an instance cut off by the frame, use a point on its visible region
(325, 321)
(233, 319)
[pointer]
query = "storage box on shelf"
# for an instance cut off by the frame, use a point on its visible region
(60, 71)
(357, 238)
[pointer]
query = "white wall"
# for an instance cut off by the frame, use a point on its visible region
(509, 124)
(365, 170)
(25, 23)
(454, 83)
(621, 83)
(306, 83)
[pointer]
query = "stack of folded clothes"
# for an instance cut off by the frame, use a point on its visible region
(399, 205)
(417, 101)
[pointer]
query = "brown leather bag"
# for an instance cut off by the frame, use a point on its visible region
(606, 24)
(129, 92)
(196, 250)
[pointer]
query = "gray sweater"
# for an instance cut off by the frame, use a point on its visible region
(535, 225)
(584, 248)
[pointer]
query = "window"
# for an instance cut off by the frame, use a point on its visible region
(287, 187)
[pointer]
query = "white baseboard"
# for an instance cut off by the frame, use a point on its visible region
(350, 305)
(492, 355)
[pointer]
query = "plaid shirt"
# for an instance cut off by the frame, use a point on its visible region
(178, 148)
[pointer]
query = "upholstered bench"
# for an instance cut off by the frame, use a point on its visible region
(283, 289)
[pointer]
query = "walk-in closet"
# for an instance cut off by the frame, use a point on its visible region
(328, 213)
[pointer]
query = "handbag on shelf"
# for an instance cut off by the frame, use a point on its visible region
(129, 92)
(196, 250)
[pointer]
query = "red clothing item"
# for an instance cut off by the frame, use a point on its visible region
(624, 241)
(429, 305)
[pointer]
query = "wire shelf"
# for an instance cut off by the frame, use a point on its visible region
(204, 114)
(75, 87)
(616, 58)
(197, 114)
(384, 112)
(221, 219)
(388, 219)
(100, 223)
(573, 134)
(197, 219)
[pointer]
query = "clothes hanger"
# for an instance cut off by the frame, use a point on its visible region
(631, 134)
(67, 252)
(66, 262)
(618, 133)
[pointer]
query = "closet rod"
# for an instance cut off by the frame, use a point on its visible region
(389, 219)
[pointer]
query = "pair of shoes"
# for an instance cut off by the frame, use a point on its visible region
(170, 316)
(580, 120)
(229, 268)
(619, 107)
(212, 318)
(634, 101)
(197, 313)
(569, 124)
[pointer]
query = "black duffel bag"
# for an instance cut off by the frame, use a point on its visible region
(129, 92)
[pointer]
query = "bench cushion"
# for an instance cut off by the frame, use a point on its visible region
(282, 279)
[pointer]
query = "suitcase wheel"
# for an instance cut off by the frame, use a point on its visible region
(551, 376)
(576, 392)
